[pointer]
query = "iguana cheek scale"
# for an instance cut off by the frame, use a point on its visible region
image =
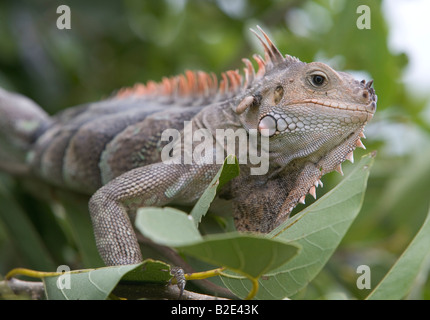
(312, 115)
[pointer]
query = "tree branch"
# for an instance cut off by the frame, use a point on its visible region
(16, 289)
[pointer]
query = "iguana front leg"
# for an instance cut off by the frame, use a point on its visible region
(153, 185)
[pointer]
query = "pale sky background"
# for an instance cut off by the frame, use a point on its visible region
(409, 32)
(409, 22)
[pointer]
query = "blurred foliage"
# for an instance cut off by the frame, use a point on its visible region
(113, 44)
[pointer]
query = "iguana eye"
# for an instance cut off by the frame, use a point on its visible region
(318, 80)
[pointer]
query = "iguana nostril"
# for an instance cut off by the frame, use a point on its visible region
(371, 107)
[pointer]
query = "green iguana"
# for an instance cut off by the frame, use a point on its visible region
(311, 115)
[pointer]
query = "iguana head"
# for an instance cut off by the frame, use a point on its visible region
(314, 117)
(307, 109)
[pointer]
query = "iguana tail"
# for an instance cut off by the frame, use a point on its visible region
(21, 122)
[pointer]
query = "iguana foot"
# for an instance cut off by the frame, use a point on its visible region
(178, 278)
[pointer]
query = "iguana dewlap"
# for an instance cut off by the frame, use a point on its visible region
(312, 116)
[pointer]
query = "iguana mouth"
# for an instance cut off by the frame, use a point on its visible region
(369, 108)
(278, 122)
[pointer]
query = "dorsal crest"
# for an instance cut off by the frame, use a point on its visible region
(202, 85)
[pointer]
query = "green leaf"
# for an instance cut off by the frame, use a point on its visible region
(97, 284)
(228, 171)
(167, 226)
(399, 281)
(173, 227)
(250, 255)
(318, 230)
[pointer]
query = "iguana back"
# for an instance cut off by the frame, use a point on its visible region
(86, 147)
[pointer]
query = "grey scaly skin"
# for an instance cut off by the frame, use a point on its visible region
(314, 118)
